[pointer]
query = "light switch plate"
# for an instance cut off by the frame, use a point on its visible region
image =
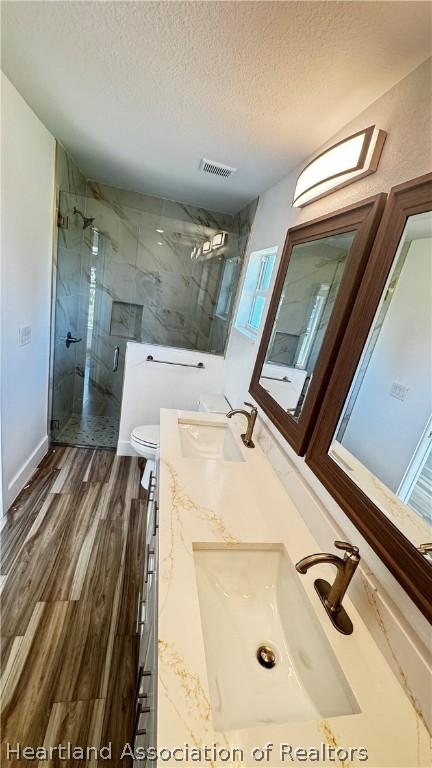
(398, 391)
(24, 335)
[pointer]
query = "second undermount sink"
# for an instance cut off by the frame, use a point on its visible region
(202, 440)
(268, 658)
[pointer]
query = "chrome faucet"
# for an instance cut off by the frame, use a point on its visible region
(251, 419)
(331, 596)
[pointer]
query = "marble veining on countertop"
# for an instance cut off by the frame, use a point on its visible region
(216, 501)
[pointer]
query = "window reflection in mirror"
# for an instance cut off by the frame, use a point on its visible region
(384, 437)
(309, 293)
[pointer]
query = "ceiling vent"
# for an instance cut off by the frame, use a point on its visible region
(217, 169)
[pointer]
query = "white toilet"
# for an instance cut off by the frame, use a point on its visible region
(145, 439)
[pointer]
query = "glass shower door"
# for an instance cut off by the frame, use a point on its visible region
(88, 358)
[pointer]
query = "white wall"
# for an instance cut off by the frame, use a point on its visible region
(27, 193)
(399, 628)
(381, 426)
(148, 386)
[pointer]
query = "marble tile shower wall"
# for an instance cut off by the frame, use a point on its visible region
(163, 295)
(178, 295)
(146, 286)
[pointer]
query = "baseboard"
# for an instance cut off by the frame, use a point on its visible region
(24, 474)
(124, 448)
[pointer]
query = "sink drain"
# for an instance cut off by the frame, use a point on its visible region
(266, 656)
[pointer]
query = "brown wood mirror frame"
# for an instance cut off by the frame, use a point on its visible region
(409, 567)
(362, 218)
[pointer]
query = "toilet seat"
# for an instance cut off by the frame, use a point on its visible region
(148, 436)
(145, 441)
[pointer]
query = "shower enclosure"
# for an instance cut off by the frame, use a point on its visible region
(128, 274)
(86, 362)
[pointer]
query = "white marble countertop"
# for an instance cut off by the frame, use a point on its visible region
(217, 501)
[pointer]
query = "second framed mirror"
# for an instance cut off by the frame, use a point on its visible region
(321, 268)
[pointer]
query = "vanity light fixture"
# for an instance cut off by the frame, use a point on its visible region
(218, 240)
(348, 160)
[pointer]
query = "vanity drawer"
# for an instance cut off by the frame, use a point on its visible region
(152, 504)
(149, 572)
(145, 717)
(145, 608)
(144, 644)
(147, 616)
(140, 743)
(152, 520)
(148, 659)
(143, 720)
(142, 733)
(149, 567)
(145, 682)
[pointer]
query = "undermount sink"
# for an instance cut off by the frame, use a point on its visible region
(201, 440)
(268, 659)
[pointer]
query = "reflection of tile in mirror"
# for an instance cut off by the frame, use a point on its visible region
(283, 348)
(311, 286)
(310, 290)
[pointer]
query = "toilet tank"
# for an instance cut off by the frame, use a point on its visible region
(213, 403)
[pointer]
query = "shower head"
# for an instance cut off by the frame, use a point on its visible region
(87, 220)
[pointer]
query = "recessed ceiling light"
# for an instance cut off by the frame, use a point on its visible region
(160, 231)
(159, 242)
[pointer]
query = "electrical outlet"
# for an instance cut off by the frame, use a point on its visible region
(398, 391)
(24, 335)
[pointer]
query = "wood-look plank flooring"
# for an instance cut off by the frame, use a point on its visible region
(72, 558)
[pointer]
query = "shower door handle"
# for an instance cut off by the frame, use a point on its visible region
(69, 339)
(116, 359)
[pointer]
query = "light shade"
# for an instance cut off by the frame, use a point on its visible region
(206, 248)
(218, 240)
(348, 160)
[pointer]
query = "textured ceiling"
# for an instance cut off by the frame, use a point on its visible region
(138, 92)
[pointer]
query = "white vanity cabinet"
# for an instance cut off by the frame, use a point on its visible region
(146, 697)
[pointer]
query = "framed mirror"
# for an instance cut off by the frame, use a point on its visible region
(321, 268)
(372, 446)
